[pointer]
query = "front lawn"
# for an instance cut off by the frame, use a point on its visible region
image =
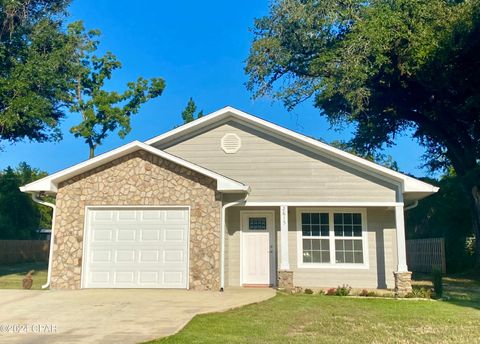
(11, 276)
(333, 319)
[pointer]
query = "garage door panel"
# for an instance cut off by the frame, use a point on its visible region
(102, 234)
(149, 256)
(141, 248)
(175, 233)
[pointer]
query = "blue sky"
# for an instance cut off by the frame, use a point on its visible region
(199, 48)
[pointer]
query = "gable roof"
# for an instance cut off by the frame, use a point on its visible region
(407, 184)
(50, 183)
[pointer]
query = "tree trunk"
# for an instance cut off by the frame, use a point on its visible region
(476, 222)
(92, 152)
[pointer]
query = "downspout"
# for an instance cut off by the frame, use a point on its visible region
(52, 236)
(222, 240)
(411, 206)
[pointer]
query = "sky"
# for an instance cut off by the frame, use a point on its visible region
(199, 48)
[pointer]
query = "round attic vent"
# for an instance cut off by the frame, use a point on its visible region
(231, 143)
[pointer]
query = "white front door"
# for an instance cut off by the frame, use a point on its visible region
(136, 248)
(257, 247)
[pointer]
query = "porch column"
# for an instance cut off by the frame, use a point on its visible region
(284, 263)
(401, 247)
(403, 278)
(285, 276)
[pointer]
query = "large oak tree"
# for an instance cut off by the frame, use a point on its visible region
(387, 66)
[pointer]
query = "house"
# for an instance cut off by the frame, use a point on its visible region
(225, 201)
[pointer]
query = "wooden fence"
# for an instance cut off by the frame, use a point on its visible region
(22, 251)
(425, 254)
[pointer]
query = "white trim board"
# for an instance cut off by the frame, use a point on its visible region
(50, 183)
(320, 204)
(408, 184)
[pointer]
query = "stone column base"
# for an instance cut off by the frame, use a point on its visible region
(285, 280)
(403, 283)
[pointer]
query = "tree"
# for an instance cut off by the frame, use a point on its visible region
(188, 114)
(20, 217)
(34, 69)
(445, 214)
(395, 66)
(103, 111)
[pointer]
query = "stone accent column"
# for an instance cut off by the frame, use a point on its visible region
(403, 283)
(285, 280)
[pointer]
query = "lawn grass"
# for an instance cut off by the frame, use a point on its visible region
(332, 319)
(11, 276)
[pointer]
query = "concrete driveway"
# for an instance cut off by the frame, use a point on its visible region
(109, 315)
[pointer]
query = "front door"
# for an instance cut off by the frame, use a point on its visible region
(257, 247)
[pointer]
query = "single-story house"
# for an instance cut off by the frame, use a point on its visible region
(228, 200)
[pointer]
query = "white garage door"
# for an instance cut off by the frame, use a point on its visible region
(136, 248)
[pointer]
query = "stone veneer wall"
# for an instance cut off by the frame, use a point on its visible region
(139, 178)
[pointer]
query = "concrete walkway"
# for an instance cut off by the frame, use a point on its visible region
(109, 315)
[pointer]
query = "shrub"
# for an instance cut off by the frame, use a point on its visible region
(437, 280)
(321, 292)
(422, 293)
(372, 294)
(344, 290)
(364, 292)
(332, 291)
(308, 291)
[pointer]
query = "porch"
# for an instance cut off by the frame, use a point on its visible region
(314, 245)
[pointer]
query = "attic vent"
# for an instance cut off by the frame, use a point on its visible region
(231, 143)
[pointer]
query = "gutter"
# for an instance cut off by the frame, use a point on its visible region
(52, 237)
(222, 240)
(411, 206)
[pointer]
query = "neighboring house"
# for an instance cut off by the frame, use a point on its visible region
(225, 201)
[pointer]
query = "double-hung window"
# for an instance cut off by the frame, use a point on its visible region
(329, 238)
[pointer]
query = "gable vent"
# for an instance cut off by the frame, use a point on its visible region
(231, 143)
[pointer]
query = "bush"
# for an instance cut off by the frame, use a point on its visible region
(437, 280)
(321, 292)
(344, 290)
(332, 291)
(308, 291)
(364, 292)
(422, 293)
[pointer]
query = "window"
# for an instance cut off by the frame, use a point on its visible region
(331, 237)
(348, 225)
(257, 223)
(316, 246)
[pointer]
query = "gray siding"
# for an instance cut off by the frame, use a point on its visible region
(278, 171)
(381, 251)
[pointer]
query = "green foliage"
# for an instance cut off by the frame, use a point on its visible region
(188, 114)
(103, 111)
(422, 293)
(437, 280)
(19, 215)
(308, 291)
(445, 214)
(389, 67)
(344, 290)
(35, 69)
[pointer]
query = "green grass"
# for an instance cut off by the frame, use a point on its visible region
(11, 276)
(332, 319)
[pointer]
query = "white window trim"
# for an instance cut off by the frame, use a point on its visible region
(331, 238)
